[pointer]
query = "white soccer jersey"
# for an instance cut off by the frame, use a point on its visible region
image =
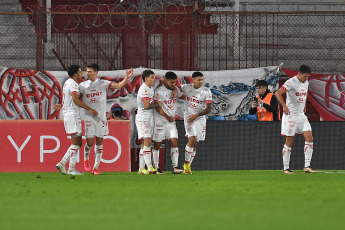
(144, 93)
(95, 96)
(68, 106)
(296, 95)
(196, 99)
(164, 95)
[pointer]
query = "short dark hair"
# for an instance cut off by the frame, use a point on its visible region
(73, 69)
(304, 69)
(261, 83)
(146, 73)
(170, 75)
(94, 66)
(197, 74)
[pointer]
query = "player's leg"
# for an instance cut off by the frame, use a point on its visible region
(87, 149)
(288, 129)
(98, 155)
(142, 169)
(287, 153)
(147, 154)
(174, 156)
(155, 156)
(72, 125)
(90, 132)
(158, 137)
(308, 152)
(193, 154)
(76, 144)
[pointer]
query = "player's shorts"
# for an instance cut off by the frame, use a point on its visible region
(144, 128)
(196, 128)
(96, 127)
(164, 130)
(72, 124)
(294, 124)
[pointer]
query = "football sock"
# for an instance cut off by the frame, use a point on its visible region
(188, 154)
(286, 157)
(98, 156)
(155, 158)
(308, 153)
(192, 156)
(66, 157)
(147, 156)
(174, 157)
(86, 152)
(73, 156)
(141, 159)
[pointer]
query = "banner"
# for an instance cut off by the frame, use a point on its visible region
(326, 93)
(31, 94)
(37, 146)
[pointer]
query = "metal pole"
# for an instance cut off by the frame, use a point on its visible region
(237, 32)
(39, 37)
(49, 26)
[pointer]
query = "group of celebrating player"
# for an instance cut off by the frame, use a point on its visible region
(155, 119)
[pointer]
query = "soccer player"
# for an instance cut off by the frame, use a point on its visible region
(197, 104)
(94, 93)
(294, 119)
(72, 120)
(164, 121)
(144, 120)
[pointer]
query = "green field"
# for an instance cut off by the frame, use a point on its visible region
(204, 200)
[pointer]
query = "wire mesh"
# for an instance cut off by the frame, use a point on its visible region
(173, 34)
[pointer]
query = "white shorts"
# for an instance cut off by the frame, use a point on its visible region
(96, 127)
(294, 124)
(196, 128)
(72, 124)
(144, 128)
(164, 130)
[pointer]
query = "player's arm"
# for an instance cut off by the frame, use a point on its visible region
(121, 84)
(148, 105)
(202, 113)
(161, 112)
(57, 106)
(79, 103)
(279, 95)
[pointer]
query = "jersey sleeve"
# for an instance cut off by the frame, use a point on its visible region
(106, 84)
(208, 98)
(144, 94)
(74, 88)
(287, 85)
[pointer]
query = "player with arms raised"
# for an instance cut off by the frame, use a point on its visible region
(71, 117)
(94, 93)
(198, 101)
(294, 119)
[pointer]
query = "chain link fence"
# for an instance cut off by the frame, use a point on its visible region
(171, 35)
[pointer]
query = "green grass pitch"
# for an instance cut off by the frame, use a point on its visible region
(204, 200)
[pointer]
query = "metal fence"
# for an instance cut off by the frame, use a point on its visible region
(179, 37)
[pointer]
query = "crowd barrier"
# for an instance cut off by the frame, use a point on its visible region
(240, 145)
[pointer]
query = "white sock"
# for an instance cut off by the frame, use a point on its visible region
(73, 153)
(188, 153)
(308, 153)
(286, 156)
(192, 156)
(147, 156)
(87, 150)
(66, 157)
(174, 157)
(141, 160)
(98, 155)
(155, 158)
